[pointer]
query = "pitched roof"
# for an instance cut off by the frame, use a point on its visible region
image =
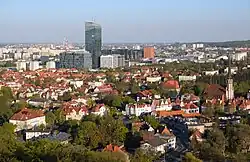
(26, 114)
(166, 132)
(169, 113)
(171, 84)
(214, 90)
(156, 141)
(190, 106)
(112, 148)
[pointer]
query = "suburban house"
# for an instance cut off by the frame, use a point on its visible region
(28, 119)
(153, 143)
(38, 102)
(99, 109)
(138, 109)
(167, 136)
(245, 105)
(190, 108)
(144, 95)
(190, 97)
(171, 85)
(75, 112)
(162, 105)
(114, 148)
(196, 135)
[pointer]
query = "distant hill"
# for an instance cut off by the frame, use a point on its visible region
(244, 43)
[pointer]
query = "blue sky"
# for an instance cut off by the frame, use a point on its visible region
(125, 20)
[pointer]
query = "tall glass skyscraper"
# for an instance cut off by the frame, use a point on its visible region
(93, 42)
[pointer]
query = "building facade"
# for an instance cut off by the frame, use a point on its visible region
(93, 42)
(149, 52)
(129, 54)
(21, 65)
(27, 119)
(76, 59)
(50, 65)
(34, 65)
(112, 61)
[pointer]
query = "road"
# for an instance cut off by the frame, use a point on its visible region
(180, 130)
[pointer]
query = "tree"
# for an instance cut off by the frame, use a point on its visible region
(65, 97)
(91, 103)
(239, 138)
(113, 131)
(128, 100)
(88, 135)
(117, 102)
(113, 101)
(50, 118)
(60, 118)
(135, 88)
(6, 98)
(214, 147)
(7, 141)
(142, 156)
(152, 121)
(189, 157)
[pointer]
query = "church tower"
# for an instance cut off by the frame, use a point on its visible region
(230, 86)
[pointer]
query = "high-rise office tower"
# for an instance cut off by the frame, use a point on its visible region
(93, 42)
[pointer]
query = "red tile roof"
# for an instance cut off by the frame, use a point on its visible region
(26, 114)
(190, 106)
(171, 84)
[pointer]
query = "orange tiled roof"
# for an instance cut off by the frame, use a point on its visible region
(169, 113)
(112, 148)
(26, 114)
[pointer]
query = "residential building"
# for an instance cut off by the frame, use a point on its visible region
(159, 142)
(129, 54)
(34, 65)
(29, 134)
(74, 111)
(138, 109)
(239, 56)
(190, 108)
(187, 78)
(162, 105)
(93, 42)
(51, 65)
(149, 52)
(112, 61)
(28, 119)
(21, 65)
(100, 110)
(76, 59)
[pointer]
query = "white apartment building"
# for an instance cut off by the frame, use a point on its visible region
(17, 56)
(239, 56)
(50, 65)
(34, 65)
(112, 61)
(21, 65)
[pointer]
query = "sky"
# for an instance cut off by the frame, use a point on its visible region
(124, 21)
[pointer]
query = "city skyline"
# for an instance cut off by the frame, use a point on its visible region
(125, 22)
